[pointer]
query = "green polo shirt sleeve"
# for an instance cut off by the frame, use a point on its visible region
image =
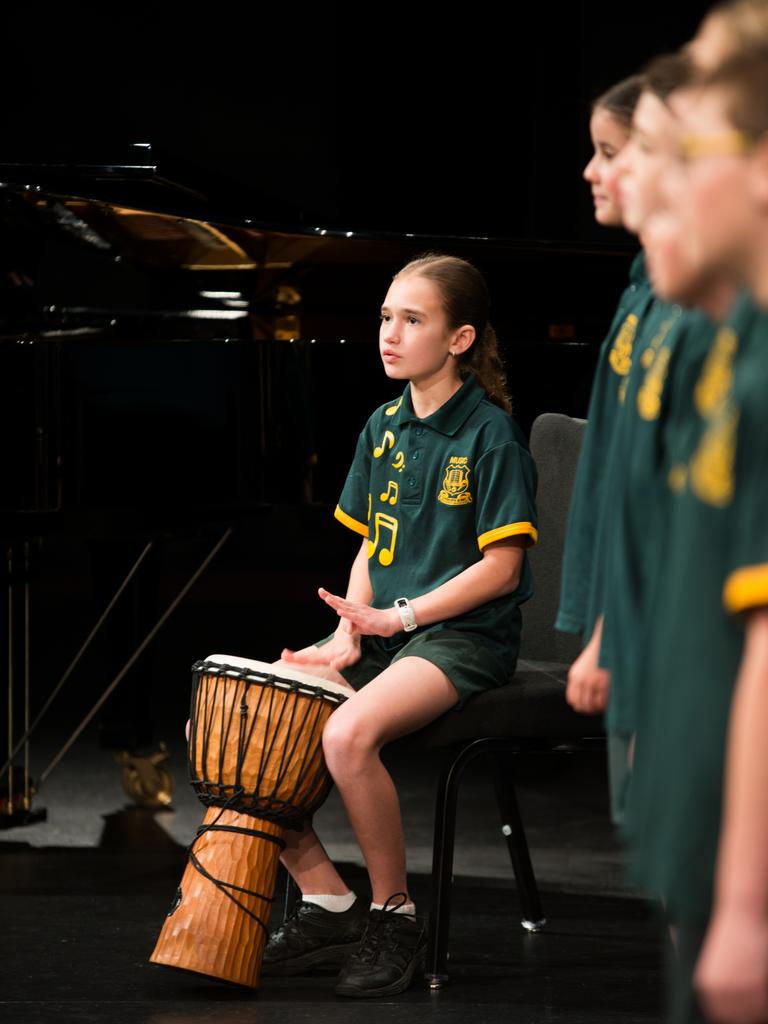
(353, 509)
(746, 585)
(606, 402)
(506, 492)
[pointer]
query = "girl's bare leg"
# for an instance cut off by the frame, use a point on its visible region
(403, 698)
(304, 856)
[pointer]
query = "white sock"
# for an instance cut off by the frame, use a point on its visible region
(407, 908)
(336, 904)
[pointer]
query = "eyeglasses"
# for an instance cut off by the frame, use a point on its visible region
(725, 143)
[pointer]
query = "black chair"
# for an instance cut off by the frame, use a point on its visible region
(529, 712)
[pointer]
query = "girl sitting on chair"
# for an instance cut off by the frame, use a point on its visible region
(441, 490)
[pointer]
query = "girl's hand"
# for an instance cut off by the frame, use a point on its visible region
(338, 653)
(588, 684)
(731, 976)
(364, 619)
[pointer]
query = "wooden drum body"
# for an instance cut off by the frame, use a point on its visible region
(256, 761)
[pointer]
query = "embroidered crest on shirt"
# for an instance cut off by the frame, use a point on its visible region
(655, 361)
(716, 378)
(620, 356)
(712, 464)
(455, 489)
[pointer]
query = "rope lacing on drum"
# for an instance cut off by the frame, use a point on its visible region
(298, 723)
(221, 885)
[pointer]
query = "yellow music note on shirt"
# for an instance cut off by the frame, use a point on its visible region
(387, 442)
(399, 461)
(386, 554)
(390, 494)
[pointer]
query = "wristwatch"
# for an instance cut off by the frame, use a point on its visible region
(405, 611)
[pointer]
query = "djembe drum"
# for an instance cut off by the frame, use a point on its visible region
(256, 762)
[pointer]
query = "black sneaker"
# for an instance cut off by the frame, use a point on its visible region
(313, 937)
(389, 954)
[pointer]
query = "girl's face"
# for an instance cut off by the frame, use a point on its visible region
(638, 172)
(608, 136)
(414, 341)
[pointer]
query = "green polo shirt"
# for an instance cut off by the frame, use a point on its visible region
(617, 355)
(669, 365)
(715, 564)
(430, 494)
(654, 330)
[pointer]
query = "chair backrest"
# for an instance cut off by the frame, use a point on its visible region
(555, 445)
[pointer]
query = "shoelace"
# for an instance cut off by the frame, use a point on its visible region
(293, 918)
(379, 928)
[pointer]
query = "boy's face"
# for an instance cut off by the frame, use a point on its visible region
(710, 189)
(669, 259)
(673, 260)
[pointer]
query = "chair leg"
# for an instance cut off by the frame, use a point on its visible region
(436, 964)
(514, 833)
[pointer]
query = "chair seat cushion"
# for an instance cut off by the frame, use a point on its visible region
(531, 706)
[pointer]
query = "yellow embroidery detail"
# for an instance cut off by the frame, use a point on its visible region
(456, 482)
(677, 478)
(649, 395)
(620, 356)
(717, 374)
(712, 463)
(399, 462)
(388, 442)
(390, 495)
(655, 361)
(393, 408)
(382, 522)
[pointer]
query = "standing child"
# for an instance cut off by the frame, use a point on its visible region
(696, 815)
(609, 129)
(441, 490)
(629, 335)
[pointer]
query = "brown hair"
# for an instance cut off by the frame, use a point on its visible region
(621, 99)
(746, 22)
(465, 299)
(745, 82)
(667, 73)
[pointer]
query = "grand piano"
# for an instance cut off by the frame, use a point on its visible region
(178, 372)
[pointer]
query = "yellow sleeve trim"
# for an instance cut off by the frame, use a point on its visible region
(353, 524)
(746, 588)
(511, 530)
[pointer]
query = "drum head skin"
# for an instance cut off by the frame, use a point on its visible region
(264, 668)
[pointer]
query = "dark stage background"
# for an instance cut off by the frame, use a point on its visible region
(406, 127)
(422, 118)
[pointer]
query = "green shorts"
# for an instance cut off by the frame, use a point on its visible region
(619, 775)
(464, 657)
(683, 1006)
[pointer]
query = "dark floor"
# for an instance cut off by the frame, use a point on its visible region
(84, 894)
